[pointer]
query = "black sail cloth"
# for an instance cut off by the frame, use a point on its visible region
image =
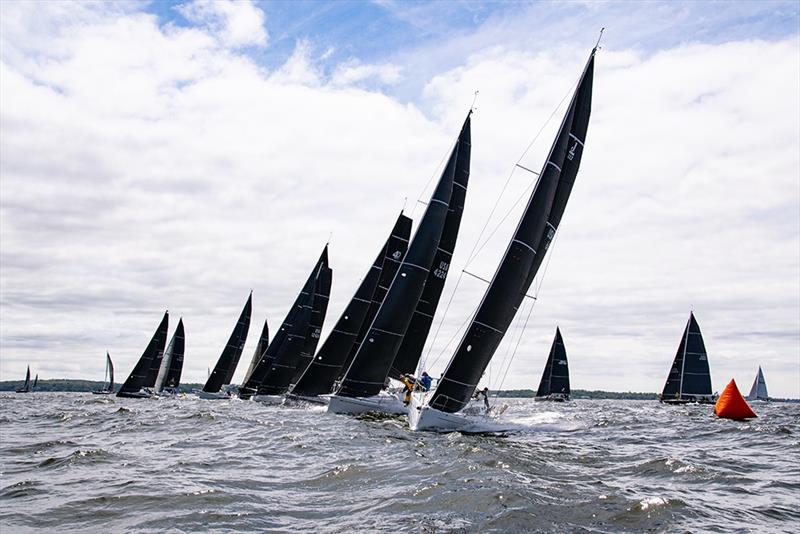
(226, 364)
(689, 374)
(370, 367)
(154, 350)
(250, 387)
(261, 346)
(523, 256)
(319, 376)
(555, 378)
(410, 350)
(169, 375)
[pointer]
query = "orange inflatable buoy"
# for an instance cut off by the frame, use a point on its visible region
(731, 404)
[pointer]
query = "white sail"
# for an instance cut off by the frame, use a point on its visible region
(759, 389)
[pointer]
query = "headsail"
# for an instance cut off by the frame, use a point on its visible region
(169, 375)
(110, 371)
(370, 366)
(318, 311)
(320, 375)
(410, 350)
(759, 389)
(555, 378)
(35, 381)
(689, 378)
(226, 364)
(154, 349)
(523, 256)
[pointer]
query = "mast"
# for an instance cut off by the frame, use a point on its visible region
(683, 357)
(264, 364)
(319, 310)
(370, 366)
(320, 375)
(410, 351)
(672, 387)
(524, 254)
(154, 349)
(169, 375)
(263, 342)
(696, 377)
(226, 364)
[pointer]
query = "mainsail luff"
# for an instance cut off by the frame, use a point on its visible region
(226, 364)
(263, 343)
(759, 389)
(320, 375)
(264, 364)
(555, 378)
(410, 351)
(321, 297)
(523, 256)
(154, 349)
(110, 371)
(370, 366)
(395, 252)
(169, 375)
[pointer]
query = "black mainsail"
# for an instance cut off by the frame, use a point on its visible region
(226, 364)
(320, 375)
(689, 378)
(555, 378)
(275, 347)
(108, 377)
(318, 311)
(523, 256)
(169, 375)
(154, 350)
(26, 387)
(263, 342)
(395, 251)
(370, 366)
(410, 350)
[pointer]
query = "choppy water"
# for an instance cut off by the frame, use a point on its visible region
(75, 462)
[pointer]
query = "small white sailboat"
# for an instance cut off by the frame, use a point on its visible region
(759, 390)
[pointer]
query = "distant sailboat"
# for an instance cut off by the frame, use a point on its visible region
(135, 385)
(222, 374)
(759, 389)
(689, 377)
(443, 409)
(108, 378)
(26, 387)
(554, 385)
(169, 374)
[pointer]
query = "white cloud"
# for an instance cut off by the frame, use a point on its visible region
(235, 23)
(145, 167)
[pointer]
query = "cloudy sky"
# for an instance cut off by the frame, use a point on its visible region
(179, 154)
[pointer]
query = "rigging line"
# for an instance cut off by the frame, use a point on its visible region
(444, 349)
(476, 249)
(519, 339)
(515, 332)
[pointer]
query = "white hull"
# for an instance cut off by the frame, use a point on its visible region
(382, 403)
(219, 395)
(319, 400)
(423, 417)
(269, 400)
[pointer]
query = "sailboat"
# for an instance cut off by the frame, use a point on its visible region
(759, 389)
(443, 409)
(261, 346)
(554, 385)
(26, 387)
(319, 377)
(222, 374)
(169, 374)
(689, 378)
(136, 385)
(108, 377)
(291, 358)
(291, 329)
(362, 388)
(35, 382)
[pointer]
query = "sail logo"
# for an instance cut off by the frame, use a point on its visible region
(551, 232)
(571, 153)
(397, 254)
(441, 271)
